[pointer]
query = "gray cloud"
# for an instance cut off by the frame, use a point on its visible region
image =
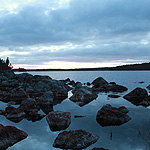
(119, 30)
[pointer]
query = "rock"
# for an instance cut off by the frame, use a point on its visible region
(46, 102)
(145, 102)
(10, 135)
(77, 139)
(99, 84)
(13, 114)
(111, 116)
(58, 120)
(34, 116)
(16, 95)
(95, 148)
(148, 87)
(72, 83)
(113, 96)
(88, 83)
(78, 116)
(29, 105)
(115, 88)
(24, 77)
(83, 96)
(136, 96)
(2, 112)
(141, 82)
(123, 109)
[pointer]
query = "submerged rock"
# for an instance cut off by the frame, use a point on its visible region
(83, 96)
(136, 96)
(58, 120)
(111, 116)
(9, 135)
(77, 139)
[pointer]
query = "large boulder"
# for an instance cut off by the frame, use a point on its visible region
(9, 135)
(111, 116)
(58, 120)
(77, 139)
(83, 96)
(136, 96)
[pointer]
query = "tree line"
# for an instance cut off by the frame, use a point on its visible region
(5, 64)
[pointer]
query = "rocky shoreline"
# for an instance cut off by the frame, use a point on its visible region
(34, 93)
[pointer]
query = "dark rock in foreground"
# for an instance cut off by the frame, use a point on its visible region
(77, 139)
(111, 116)
(136, 96)
(58, 120)
(83, 96)
(10, 135)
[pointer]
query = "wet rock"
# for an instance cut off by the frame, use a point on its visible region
(29, 105)
(111, 116)
(136, 96)
(145, 102)
(14, 114)
(2, 112)
(58, 120)
(115, 88)
(34, 116)
(88, 83)
(99, 84)
(78, 116)
(148, 87)
(72, 83)
(77, 139)
(113, 96)
(24, 77)
(9, 135)
(99, 148)
(16, 95)
(46, 102)
(141, 82)
(83, 96)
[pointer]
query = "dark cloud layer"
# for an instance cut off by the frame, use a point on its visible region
(100, 31)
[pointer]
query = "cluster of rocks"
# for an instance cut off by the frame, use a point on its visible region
(33, 93)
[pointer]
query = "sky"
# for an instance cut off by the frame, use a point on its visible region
(74, 33)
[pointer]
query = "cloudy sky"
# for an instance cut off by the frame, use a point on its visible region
(74, 33)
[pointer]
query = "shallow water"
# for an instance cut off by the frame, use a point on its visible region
(124, 137)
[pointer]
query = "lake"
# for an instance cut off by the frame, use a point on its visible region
(128, 136)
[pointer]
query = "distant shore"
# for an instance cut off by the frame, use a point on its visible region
(131, 67)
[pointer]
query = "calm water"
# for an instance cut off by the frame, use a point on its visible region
(124, 137)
